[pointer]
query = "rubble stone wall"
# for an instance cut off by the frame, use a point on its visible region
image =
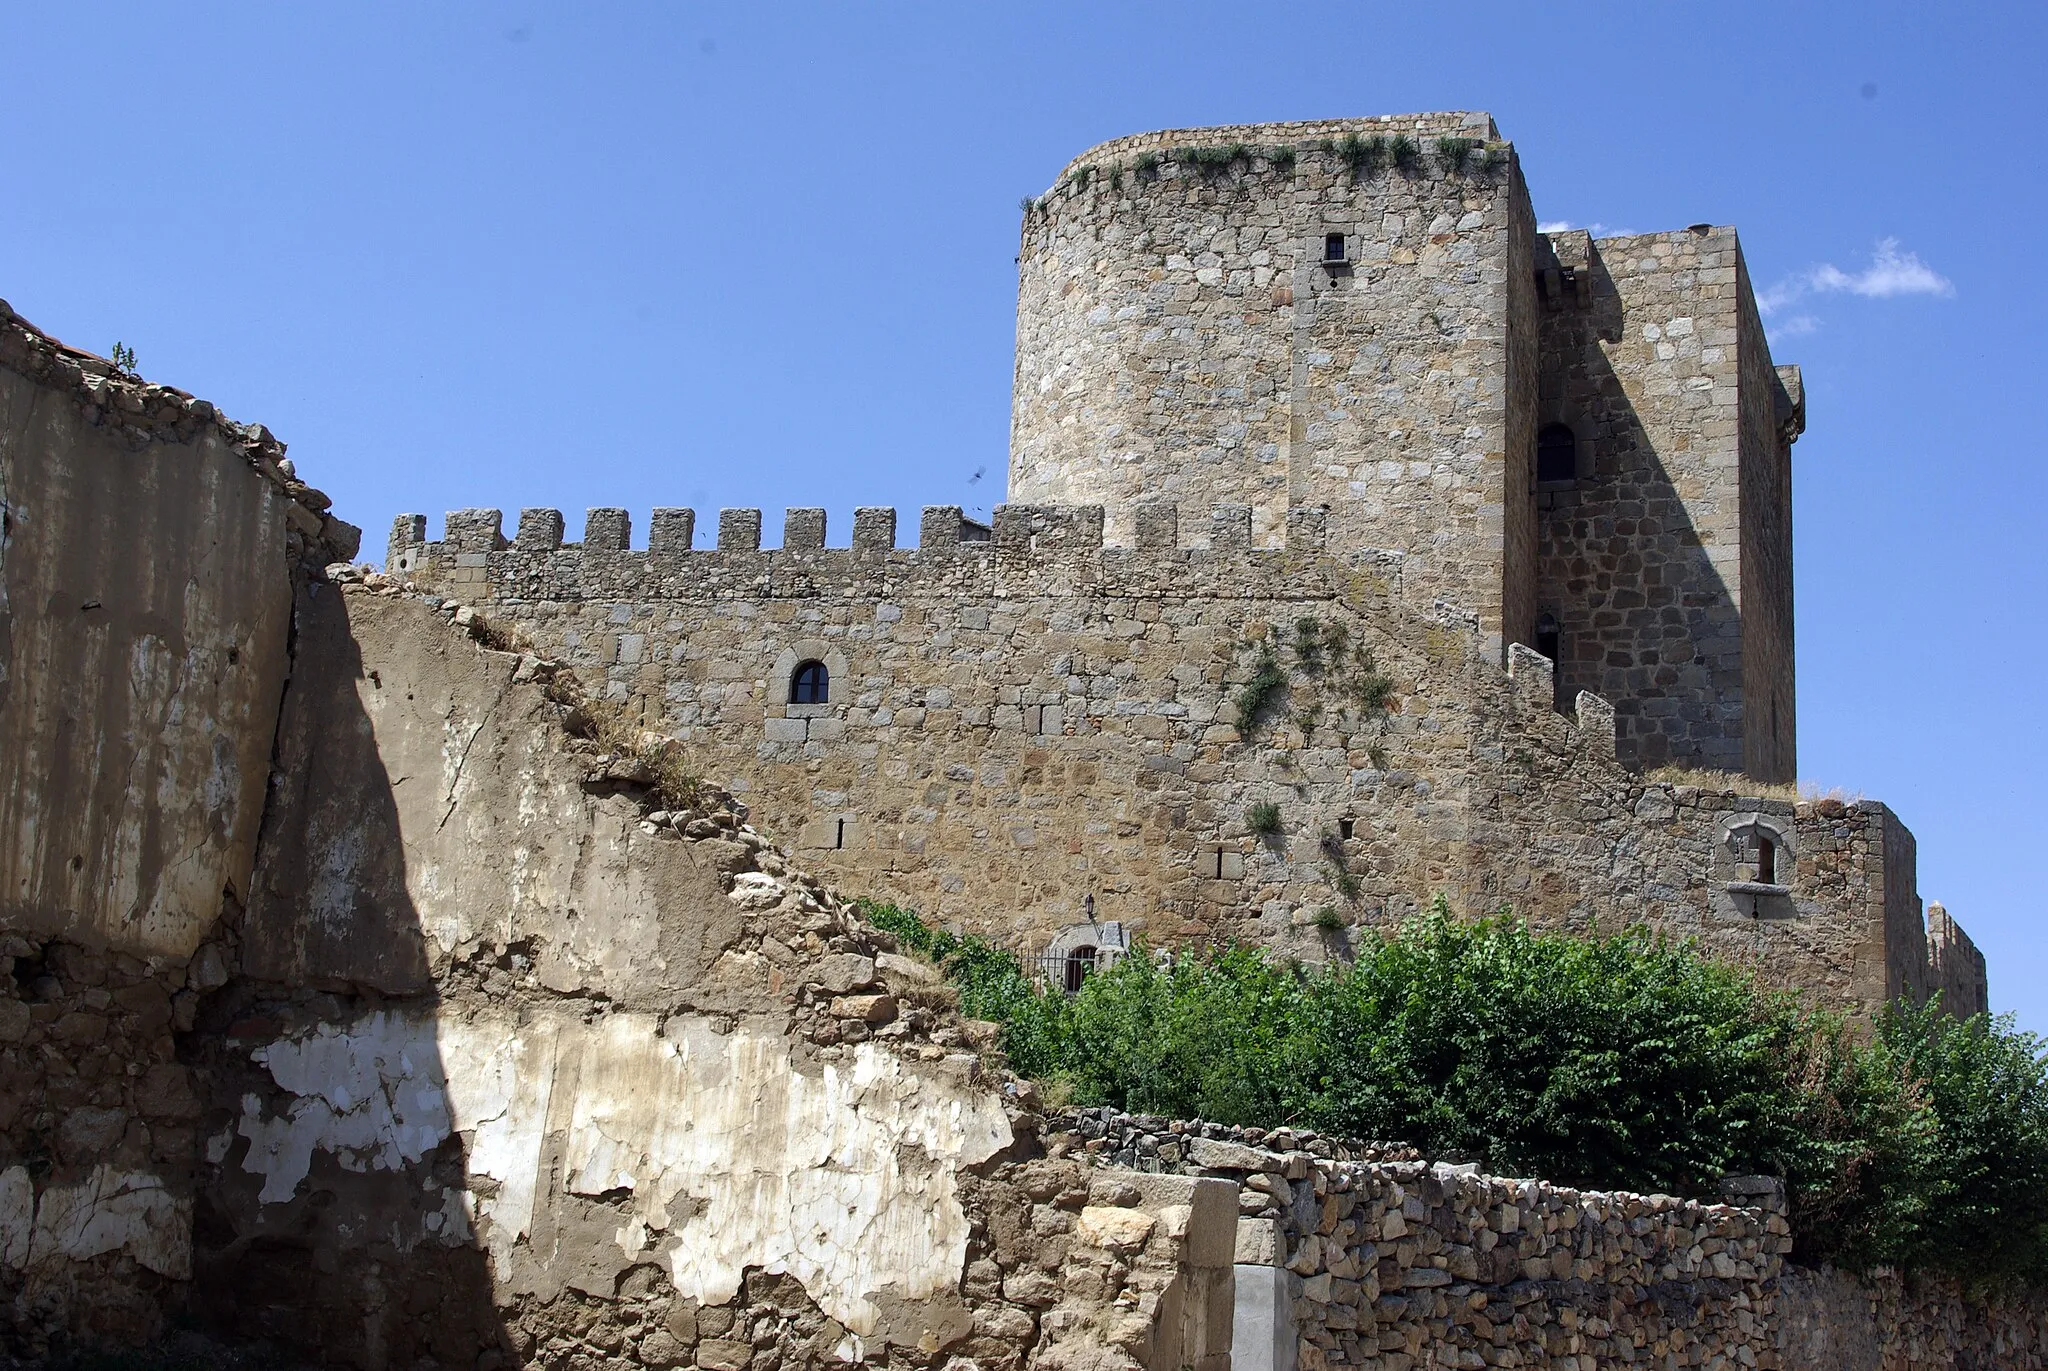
(1018, 725)
(1393, 1264)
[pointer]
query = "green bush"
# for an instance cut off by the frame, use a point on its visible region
(1263, 818)
(1625, 1061)
(1927, 1146)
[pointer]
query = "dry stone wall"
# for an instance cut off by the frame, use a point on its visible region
(1348, 1256)
(1017, 726)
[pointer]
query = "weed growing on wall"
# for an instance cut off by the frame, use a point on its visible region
(1263, 819)
(1403, 152)
(1256, 696)
(1625, 1061)
(1455, 153)
(123, 358)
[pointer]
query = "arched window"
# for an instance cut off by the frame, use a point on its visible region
(810, 684)
(1079, 963)
(1557, 454)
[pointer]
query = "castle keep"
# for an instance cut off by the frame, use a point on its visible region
(1364, 543)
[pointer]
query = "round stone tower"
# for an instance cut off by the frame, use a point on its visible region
(1281, 315)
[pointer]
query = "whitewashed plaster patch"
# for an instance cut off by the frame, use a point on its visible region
(843, 1175)
(108, 1211)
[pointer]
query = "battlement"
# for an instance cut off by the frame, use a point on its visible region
(1165, 142)
(1065, 541)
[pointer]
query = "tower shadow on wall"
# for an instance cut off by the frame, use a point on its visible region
(329, 1030)
(1645, 619)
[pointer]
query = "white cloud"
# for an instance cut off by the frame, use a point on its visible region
(1597, 230)
(1797, 326)
(1891, 272)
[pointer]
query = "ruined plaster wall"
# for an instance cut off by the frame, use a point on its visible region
(1387, 1264)
(1018, 725)
(146, 550)
(1642, 560)
(527, 1063)
(1180, 337)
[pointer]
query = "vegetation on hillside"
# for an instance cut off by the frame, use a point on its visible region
(1625, 1061)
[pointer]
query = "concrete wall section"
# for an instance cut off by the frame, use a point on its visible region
(144, 622)
(529, 1064)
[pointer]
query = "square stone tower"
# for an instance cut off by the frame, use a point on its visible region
(1580, 445)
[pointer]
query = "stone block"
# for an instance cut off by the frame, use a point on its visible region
(1260, 1242)
(844, 972)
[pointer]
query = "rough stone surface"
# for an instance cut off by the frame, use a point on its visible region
(1235, 459)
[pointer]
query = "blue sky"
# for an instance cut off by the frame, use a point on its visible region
(637, 254)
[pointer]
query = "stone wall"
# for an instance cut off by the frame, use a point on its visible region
(1348, 1259)
(147, 547)
(1017, 726)
(1683, 487)
(1180, 335)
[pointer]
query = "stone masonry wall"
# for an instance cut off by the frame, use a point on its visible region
(1180, 336)
(1771, 420)
(1345, 1258)
(1016, 726)
(1643, 556)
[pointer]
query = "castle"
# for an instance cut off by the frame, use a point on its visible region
(1364, 543)
(364, 996)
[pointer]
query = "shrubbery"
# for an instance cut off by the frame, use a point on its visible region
(1623, 1062)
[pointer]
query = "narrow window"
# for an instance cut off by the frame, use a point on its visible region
(1216, 864)
(1548, 638)
(1345, 826)
(810, 684)
(1333, 247)
(1080, 962)
(839, 835)
(1766, 860)
(1556, 454)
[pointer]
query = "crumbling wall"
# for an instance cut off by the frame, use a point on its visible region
(529, 1062)
(146, 550)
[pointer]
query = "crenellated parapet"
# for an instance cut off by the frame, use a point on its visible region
(1025, 549)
